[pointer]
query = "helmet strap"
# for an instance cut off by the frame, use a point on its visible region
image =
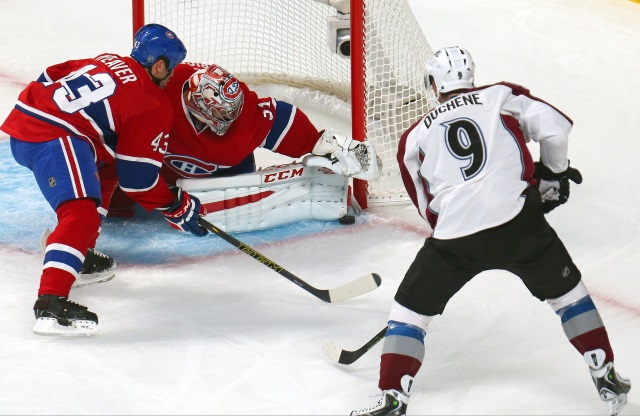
(434, 87)
(155, 79)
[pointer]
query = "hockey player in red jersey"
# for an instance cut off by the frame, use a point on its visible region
(219, 122)
(467, 168)
(82, 127)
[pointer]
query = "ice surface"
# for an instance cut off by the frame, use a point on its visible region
(193, 326)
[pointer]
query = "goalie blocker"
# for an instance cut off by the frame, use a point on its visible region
(276, 196)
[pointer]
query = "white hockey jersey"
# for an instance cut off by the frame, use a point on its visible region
(465, 164)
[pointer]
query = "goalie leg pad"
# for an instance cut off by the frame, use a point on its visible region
(272, 197)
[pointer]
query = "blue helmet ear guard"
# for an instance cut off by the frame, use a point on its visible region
(153, 41)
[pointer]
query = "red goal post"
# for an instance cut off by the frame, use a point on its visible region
(369, 54)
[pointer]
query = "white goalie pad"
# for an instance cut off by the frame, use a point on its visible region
(271, 197)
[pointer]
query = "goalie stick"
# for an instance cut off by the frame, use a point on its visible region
(340, 356)
(348, 290)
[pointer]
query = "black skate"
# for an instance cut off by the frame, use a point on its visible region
(97, 268)
(392, 402)
(612, 388)
(56, 315)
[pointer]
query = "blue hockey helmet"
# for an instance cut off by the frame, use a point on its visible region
(153, 41)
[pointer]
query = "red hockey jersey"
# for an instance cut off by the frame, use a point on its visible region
(195, 151)
(112, 103)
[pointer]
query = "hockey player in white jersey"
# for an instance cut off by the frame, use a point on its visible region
(467, 168)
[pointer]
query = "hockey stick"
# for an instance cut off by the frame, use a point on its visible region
(349, 290)
(338, 355)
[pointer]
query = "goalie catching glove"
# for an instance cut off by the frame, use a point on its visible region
(345, 156)
(554, 187)
(183, 214)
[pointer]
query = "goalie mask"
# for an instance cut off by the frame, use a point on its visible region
(451, 69)
(215, 98)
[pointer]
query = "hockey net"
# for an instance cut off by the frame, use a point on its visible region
(289, 42)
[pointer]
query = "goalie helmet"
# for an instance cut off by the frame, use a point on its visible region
(215, 98)
(154, 41)
(451, 69)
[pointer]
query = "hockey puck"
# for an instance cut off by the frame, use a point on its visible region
(347, 219)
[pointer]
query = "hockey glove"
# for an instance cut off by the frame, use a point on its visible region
(183, 214)
(554, 187)
(345, 156)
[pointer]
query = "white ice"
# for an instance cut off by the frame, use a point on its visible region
(216, 332)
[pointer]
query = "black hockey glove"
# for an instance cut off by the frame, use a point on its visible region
(554, 187)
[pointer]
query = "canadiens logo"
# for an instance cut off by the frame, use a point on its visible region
(190, 167)
(170, 35)
(231, 89)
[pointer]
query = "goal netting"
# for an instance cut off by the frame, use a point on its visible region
(294, 43)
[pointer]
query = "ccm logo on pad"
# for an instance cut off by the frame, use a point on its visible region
(284, 174)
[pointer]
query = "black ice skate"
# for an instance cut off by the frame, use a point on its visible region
(612, 388)
(56, 315)
(392, 402)
(97, 268)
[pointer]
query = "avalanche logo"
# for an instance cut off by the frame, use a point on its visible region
(190, 167)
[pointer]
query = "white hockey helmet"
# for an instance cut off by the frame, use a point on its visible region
(215, 98)
(451, 69)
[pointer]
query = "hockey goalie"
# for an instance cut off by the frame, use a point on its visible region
(219, 122)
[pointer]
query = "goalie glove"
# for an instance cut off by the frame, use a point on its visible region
(345, 156)
(554, 187)
(183, 214)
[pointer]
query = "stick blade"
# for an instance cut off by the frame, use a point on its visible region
(338, 355)
(332, 351)
(360, 286)
(341, 356)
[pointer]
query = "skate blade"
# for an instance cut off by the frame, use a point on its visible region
(94, 278)
(616, 405)
(51, 327)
